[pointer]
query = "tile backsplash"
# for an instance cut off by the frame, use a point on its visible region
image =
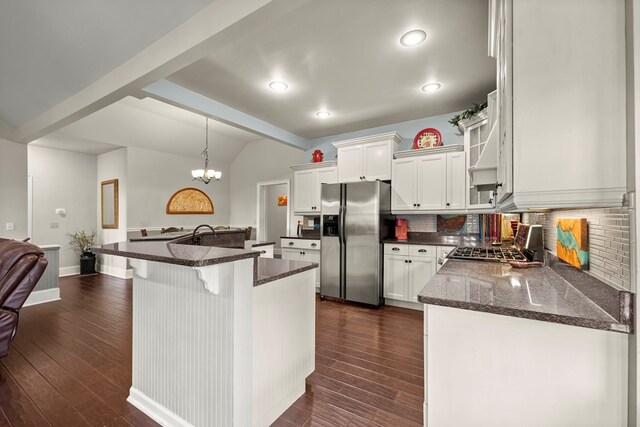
(609, 249)
(429, 223)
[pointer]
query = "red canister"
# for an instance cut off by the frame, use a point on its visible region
(317, 156)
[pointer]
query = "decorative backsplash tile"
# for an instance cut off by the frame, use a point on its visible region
(429, 224)
(609, 250)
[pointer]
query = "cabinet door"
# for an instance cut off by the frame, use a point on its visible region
(292, 254)
(313, 256)
(395, 277)
(456, 182)
(304, 189)
(505, 101)
(432, 182)
(323, 176)
(350, 163)
(403, 182)
(376, 161)
(421, 270)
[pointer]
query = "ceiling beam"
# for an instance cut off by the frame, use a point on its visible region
(179, 96)
(223, 22)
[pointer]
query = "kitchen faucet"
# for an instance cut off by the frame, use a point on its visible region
(193, 237)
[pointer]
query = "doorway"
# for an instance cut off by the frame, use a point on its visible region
(273, 212)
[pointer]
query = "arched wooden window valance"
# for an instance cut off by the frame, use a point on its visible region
(190, 201)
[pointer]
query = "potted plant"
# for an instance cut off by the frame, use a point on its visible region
(82, 242)
(468, 117)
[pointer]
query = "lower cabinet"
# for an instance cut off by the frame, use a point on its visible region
(302, 250)
(407, 268)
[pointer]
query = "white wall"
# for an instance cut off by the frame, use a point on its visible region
(275, 216)
(153, 176)
(13, 189)
(62, 179)
(113, 165)
(263, 160)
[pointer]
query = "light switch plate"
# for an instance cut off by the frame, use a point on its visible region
(10, 226)
(53, 225)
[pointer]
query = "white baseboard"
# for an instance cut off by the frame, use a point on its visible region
(404, 304)
(69, 271)
(123, 273)
(154, 410)
(40, 297)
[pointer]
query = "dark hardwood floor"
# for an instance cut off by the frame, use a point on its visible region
(70, 364)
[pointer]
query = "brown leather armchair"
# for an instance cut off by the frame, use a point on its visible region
(21, 266)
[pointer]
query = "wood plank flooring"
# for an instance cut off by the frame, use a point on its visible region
(70, 364)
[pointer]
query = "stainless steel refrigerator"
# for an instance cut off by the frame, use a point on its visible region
(355, 219)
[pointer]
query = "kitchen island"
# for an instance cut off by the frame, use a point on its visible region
(528, 347)
(220, 336)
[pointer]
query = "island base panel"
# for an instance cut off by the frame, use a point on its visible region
(506, 371)
(191, 356)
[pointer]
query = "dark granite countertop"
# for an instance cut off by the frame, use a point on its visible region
(435, 239)
(304, 238)
(175, 253)
(257, 243)
(160, 237)
(539, 293)
(270, 269)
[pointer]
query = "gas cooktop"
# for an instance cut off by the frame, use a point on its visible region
(487, 254)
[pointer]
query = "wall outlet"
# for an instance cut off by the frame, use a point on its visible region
(310, 223)
(10, 226)
(53, 225)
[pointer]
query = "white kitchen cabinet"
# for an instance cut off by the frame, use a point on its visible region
(307, 181)
(302, 250)
(368, 158)
(429, 180)
(456, 181)
(421, 270)
(562, 113)
(407, 268)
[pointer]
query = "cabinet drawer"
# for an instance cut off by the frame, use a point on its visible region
(396, 249)
(300, 243)
(423, 251)
(265, 251)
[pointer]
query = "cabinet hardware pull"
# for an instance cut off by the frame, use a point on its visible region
(410, 261)
(313, 245)
(290, 243)
(422, 250)
(395, 249)
(263, 252)
(406, 261)
(418, 204)
(498, 184)
(448, 204)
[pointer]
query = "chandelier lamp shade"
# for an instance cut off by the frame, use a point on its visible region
(206, 175)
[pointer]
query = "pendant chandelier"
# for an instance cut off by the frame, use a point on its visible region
(206, 175)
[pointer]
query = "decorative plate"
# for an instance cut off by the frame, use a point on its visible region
(427, 138)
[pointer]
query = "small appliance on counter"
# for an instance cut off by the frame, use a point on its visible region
(402, 226)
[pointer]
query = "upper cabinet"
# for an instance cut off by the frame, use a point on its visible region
(307, 181)
(368, 158)
(561, 103)
(432, 179)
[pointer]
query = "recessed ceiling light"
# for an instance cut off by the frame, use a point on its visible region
(413, 38)
(278, 86)
(323, 114)
(431, 87)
